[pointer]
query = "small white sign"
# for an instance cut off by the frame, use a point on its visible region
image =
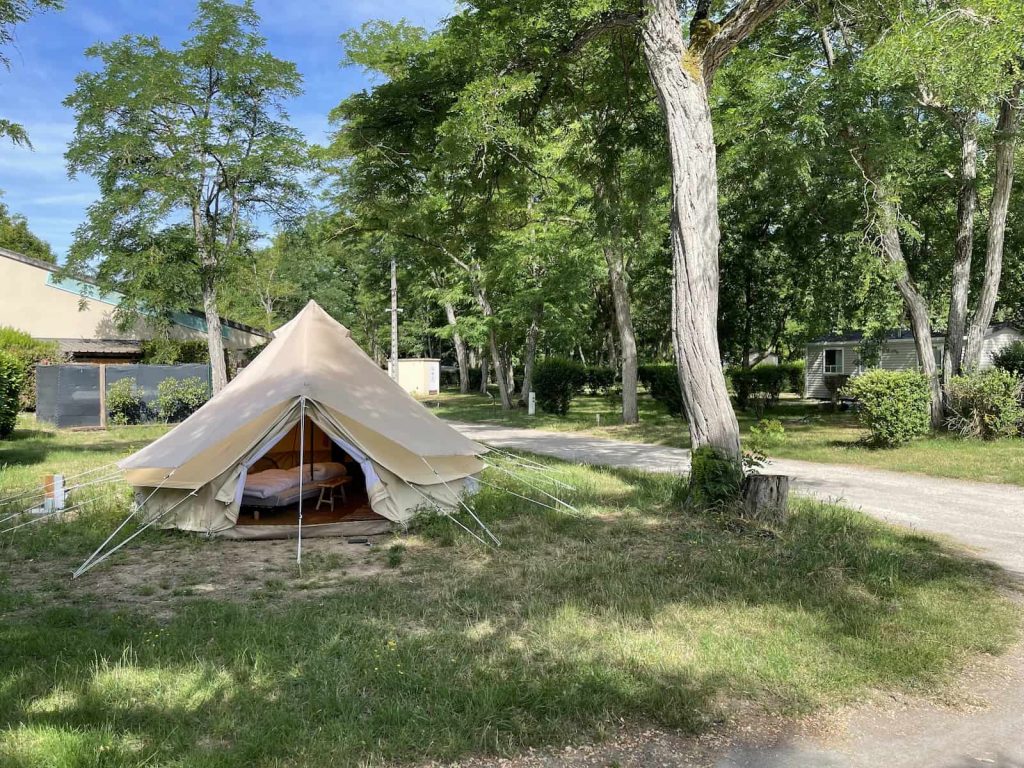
(531, 404)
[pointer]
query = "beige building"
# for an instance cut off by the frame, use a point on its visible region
(419, 375)
(34, 299)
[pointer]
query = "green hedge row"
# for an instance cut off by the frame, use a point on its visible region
(30, 352)
(12, 377)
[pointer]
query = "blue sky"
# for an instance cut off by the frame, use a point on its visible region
(48, 53)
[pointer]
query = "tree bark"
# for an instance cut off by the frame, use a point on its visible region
(492, 340)
(530, 358)
(1005, 145)
(214, 333)
(967, 199)
(485, 371)
(461, 354)
(627, 336)
(917, 307)
(680, 84)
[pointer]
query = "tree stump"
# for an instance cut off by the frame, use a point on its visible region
(766, 498)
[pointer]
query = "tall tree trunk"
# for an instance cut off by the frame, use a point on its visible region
(214, 332)
(917, 307)
(682, 94)
(961, 281)
(461, 354)
(627, 336)
(530, 358)
(1005, 145)
(492, 340)
(485, 371)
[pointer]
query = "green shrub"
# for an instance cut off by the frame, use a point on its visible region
(1010, 358)
(986, 404)
(600, 379)
(176, 399)
(161, 351)
(31, 352)
(765, 382)
(765, 435)
(893, 405)
(124, 402)
(557, 381)
(662, 382)
(795, 379)
(12, 377)
(715, 479)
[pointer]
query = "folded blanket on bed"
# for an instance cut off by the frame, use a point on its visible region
(270, 482)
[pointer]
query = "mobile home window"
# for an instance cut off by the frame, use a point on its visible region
(833, 361)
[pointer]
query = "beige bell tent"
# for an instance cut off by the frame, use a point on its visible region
(310, 418)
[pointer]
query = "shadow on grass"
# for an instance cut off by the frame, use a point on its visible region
(631, 612)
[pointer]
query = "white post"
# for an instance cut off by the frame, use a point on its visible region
(531, 407)
(302, 463)
(58, 491)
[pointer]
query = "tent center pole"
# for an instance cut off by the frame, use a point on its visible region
(302, 464)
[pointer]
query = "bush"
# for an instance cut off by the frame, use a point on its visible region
(893, 405)
(174, 351)
(763, 381)
(176, 399)
(124, 402)
(1010, 358)
(30, 352)
(557, 381)
(986, 404)
(12, 378)
(765, 435)
(600, 379)
(662, 382)
(795, 379)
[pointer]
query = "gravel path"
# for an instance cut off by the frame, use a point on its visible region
(984, 726)
(987, 518)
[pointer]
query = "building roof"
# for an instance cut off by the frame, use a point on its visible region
(54, 269)
(112, 347)
(898, 334)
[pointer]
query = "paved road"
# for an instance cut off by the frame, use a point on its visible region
(988, 518)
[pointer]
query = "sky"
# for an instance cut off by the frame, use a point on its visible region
(49, 50)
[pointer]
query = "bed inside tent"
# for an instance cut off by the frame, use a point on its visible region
(305, 464)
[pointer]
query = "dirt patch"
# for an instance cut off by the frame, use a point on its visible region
(159, 577)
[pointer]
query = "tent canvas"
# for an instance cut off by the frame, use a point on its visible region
(312, 372)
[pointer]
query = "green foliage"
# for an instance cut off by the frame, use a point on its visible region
(151, 125)
(662, 382)
(893, 405)
(795, 376)
(125, 404)
(177, 399)
(600, 379)
(30, 352)
(12, 13)
(986, 404)
(16, 236)
(1010, 358)
(716, 480)
(12, 375)
(763, 381)
(765, 435)
(167, 351)
(557, 381)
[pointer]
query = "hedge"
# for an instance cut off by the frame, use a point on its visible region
(1010, 358)
(661, 380)
(125, 404)
(556, 381)
(986, 404)
(175, 351)
(766, 380)
(30, 352)
(12, 377)
(177, 399)
(600, 379)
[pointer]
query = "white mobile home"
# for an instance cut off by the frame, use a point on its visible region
(837, 356)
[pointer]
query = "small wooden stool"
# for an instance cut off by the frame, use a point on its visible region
(328, 489)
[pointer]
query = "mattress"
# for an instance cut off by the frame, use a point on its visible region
(280, 487)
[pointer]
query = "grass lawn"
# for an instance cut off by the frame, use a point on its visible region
(187, 652)
(812, 434)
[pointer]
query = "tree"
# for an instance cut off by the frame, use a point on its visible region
(195, 137)
(16, 236)
(12, 13)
